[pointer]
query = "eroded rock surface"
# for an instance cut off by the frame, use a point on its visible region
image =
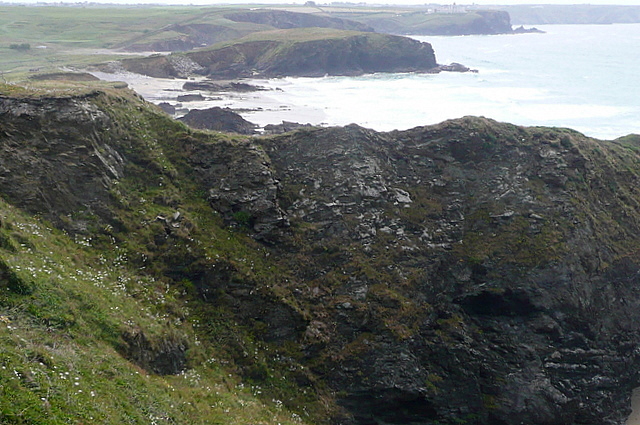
(476, 270)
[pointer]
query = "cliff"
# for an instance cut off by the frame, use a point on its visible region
(426, 22)
(470, 271)
(467, 272)
(295, 52)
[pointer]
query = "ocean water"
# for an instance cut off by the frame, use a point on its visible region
(578, 76)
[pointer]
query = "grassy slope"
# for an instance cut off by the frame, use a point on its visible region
(72, 34)
(66, 304)
(95, 26)
(296, 35)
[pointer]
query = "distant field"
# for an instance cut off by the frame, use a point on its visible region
(57, 33)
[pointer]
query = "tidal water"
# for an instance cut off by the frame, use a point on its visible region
(578, 76)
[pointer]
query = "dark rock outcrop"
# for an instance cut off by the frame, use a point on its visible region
(218, 119)
(455, 67)
(162, 355)
(190, 97)
(522, 30)
(69, 179)
(167, 107)
(512, 303)
(494, 22)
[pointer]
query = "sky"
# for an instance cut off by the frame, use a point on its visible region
(390, 2)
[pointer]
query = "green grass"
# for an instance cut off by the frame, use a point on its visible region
(60, 358)
(297, 35)
(67, 303)
(91, 27)
(71, 35)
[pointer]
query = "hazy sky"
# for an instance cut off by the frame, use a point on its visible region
(390, 2)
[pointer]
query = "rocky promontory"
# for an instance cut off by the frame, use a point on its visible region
(310, 52)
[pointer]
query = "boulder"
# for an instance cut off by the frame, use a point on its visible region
(218, 119)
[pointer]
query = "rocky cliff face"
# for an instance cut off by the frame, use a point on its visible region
(468, 272)
(55, 159)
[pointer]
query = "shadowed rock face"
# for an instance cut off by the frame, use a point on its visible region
(468, 271)
(510, 303)
(53, 158)
(165, 356)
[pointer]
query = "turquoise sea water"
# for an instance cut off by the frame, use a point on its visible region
(578, 76)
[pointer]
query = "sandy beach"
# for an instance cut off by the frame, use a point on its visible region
(260, 107)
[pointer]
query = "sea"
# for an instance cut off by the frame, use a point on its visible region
(583, 77)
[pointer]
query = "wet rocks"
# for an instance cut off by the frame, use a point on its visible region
(167, 107)
(455, 67)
